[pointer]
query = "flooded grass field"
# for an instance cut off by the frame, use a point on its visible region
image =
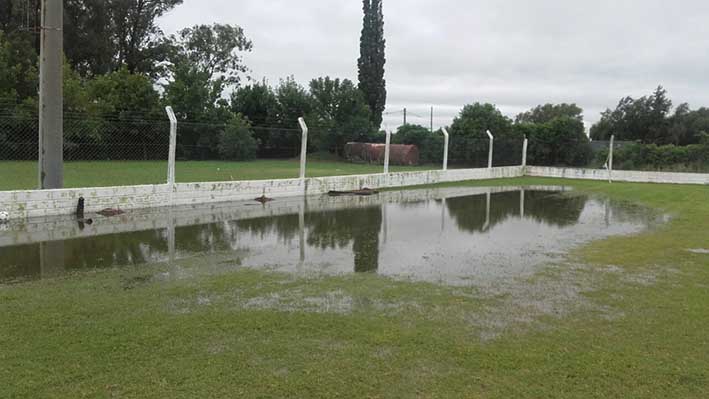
(454, 236)
(509, 288)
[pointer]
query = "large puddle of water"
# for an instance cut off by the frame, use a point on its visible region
(456, 236)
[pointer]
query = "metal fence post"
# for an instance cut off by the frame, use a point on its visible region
(489, 156)
(524, 152)
(446, 138)
(386, 153)
(303, 146)
(171, 155)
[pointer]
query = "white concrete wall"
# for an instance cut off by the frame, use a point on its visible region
(39, 203)
(619, 175)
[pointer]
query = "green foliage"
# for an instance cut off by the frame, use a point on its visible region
(559, 142)
(205, 62)
(430, 145)
(341, 109)
(19, 74)
(372, 60)
(687, 126)
(547, 112)
(644, 119)
(256, 102)
(474, 120)
(689, 158)
(469, 143)
(237, 142)
(648, 120)
(124, 94)
(103, 36)
(213, 50)
(294, 102)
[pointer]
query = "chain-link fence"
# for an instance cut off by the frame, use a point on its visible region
(474, 152)
(113, 150)
(97, 151)
(561, 150)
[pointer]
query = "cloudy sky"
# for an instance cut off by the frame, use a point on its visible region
(513, 53)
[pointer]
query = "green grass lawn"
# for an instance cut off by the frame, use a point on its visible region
(23, 175)
(188, 331)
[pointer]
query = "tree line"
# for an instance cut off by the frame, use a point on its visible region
(121, 70)
(555, 133)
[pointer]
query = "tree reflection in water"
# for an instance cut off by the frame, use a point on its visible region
(354, 231)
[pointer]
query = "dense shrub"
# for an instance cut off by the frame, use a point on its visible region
(430, 145)
(693, 158)
(559, 142)
(237, 142)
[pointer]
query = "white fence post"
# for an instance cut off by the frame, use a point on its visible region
(303, 146)
(446, 139)
(489, 156)
(610, 160)
(171, 155)
(524, 151)
(386, 153)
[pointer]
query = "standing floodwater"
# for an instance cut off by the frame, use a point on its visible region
(455, 236)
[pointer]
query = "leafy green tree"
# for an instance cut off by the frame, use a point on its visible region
(259, 105)
(545, 113)
(89, 37)
(687, 126)
(559, 142)
(19, 75)
(430, 145)
(215, 50)
(294, 101)
(198, 103)
(237, 142)
(644, 119)
(205, 61)
(137, 38)
(469, 142)
(126, 95)
(104, 35)
(340, 108)
(372, 60)
(474, 120)
(256, 102)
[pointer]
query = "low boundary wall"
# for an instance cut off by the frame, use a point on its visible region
(55, 228)
(39, 203)
(634, 176)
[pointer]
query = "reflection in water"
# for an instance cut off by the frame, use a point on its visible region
(453, 239)
(356, 227)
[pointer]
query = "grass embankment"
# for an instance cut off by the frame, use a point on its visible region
(23, 175)
(238, 333)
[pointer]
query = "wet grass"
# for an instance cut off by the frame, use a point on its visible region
(199, 330)
(23, 175)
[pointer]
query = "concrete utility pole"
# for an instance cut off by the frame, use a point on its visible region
(404, 116)
(431, 119)
(51, 96)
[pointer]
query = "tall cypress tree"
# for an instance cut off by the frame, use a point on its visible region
(371, 61)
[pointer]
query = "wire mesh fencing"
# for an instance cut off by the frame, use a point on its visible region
(228, 152)
(562, 151)
(475, 152)
(96, 151)
(124, 149)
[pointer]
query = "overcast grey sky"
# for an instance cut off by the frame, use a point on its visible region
(447, 53)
